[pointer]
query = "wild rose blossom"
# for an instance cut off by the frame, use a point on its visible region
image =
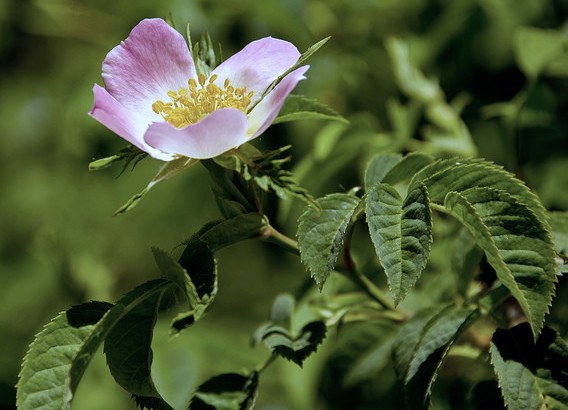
(155, 99)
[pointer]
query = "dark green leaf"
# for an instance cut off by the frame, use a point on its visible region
(295, 349)
(402, 234)
(128, 344)
(321, 232)
(422, 345)
(226, 391)
(232, 230)
(517, 245)
(532, 375)
(456, 175)
(197, 275)
(298, 107)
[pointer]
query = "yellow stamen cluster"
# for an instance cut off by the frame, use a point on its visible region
(201, 98)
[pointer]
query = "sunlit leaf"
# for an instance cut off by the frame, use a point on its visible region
(516, 243)
(58, 357)
(532, 375)
(378, 167)
(402, 234)
(321, 233)
(535, 49)
(421, 347)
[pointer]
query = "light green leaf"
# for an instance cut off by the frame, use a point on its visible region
(517, 245)
(408, 166)
(59, 355)
(408, 77)
(56, 361)
(559, 225)
(532, 375)
(535, 49)
(379, 167)
(298, 107)
(402, 234)
(422, 345)
(321, 232)
(168, 170)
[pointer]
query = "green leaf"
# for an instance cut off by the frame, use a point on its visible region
(226, 391)
(232, 230)
(517, 245)
(422, 345)
(128, 344)
(379, 167)
(321, 232)
(298, 107)
(457, 174)
(408, 166)
(536, 49)
(559, 224)
(278, 336)
(168, 170)
(59, 355)
(532, 375)
(402, 234)
(199, 279)
(408, 77)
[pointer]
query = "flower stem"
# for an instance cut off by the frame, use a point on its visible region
(270, 234)
(262, 366)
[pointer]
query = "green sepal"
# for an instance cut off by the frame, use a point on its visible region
(168, 170)
(531, 374)
(130, 155)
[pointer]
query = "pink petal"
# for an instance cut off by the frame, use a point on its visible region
(142, 69)
(258, 64)
(215, 134)
(127, 124)
(266, 111)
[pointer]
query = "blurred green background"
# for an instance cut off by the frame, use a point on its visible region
(60, 244)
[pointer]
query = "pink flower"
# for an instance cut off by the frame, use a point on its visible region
(155, 99)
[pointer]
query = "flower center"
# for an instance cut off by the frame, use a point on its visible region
(189, 105)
